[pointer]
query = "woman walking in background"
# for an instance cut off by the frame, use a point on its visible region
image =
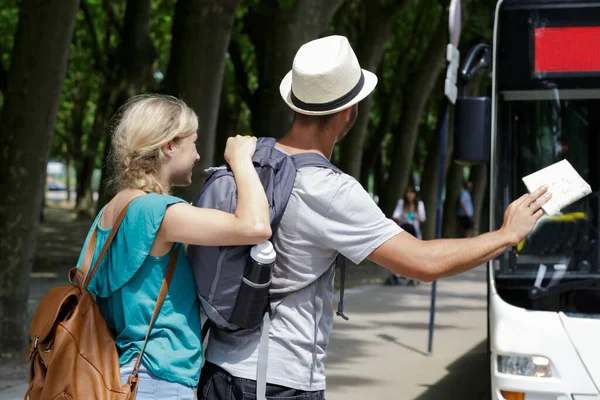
(410, 210)
(409, 214)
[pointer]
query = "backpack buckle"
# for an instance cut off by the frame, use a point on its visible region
(340, 313)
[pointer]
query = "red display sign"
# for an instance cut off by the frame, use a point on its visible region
(567, 50)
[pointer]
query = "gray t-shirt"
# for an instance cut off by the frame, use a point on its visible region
(327, 213)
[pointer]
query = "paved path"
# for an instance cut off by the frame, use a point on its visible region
(381, 353)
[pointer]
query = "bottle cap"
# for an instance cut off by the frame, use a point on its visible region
(263, 253)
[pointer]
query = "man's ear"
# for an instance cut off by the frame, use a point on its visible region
(347, 114)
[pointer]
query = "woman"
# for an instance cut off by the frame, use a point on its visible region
(410, 211)
(154, 149)
(409, 214)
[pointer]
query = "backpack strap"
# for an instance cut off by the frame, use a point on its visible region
(300, 160)
(310, 159)
(262, 358)
(341, 264)
(303, 160)
(266, 142)
(86, 276)
(85, 267)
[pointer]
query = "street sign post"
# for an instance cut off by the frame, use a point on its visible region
(451, 92)
(452, 53)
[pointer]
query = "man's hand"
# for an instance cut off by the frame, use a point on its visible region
(522, 214)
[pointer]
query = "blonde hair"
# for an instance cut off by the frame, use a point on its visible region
(143, 125)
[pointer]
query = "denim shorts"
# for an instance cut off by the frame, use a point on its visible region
(151, 387)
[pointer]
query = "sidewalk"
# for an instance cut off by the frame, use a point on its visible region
(381, 352)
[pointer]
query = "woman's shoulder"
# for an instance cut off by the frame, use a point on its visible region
(153, 203)
(155, 199)
(149, 210)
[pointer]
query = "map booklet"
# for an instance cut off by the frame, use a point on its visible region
(563, 181)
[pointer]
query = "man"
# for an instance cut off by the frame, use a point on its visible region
(465, 210)
(329, 213)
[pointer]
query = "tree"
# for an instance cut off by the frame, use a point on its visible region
(454, 181)
(201, 34)
(229, 113)
(38, 68)
(376, 22)
(398, 64)
(132, 71)
(9, 13)
(479, 178)
(422, 84)
(277, 29)
(78, 98)
(431, 173)
(124, 62)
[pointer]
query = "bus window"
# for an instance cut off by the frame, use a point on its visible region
(536, 130)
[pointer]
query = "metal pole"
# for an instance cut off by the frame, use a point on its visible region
(439, 211)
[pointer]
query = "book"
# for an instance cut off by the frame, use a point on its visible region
(565, 184)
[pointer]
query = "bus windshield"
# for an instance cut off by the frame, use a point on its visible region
(557, 268)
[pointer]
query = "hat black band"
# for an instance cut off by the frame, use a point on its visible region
(331, 105)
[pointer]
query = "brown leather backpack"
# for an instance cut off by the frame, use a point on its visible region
(73, 352)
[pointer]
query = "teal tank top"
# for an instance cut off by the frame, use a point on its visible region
(126, 286)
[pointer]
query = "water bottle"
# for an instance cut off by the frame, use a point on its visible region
(253, 297)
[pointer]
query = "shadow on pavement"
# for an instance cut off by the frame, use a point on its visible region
(345, 349)
(420, 326)
(468, 378)
(394, 340)
(348, 381)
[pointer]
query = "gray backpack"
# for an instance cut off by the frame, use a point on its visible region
(219, 271)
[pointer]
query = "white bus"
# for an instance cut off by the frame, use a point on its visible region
(544, 295)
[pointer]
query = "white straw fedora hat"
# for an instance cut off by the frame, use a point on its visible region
(326, 78)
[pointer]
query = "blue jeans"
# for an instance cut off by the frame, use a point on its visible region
(151, 387)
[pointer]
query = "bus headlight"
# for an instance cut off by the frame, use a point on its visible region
(536, 366)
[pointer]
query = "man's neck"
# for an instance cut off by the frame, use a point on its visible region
(304, 139)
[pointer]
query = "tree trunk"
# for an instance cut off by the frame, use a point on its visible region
(201, 35)
(229, 113)
(453, 184)
(85, 201)
(479, 177)
(68, 177)
(277, 33)
(43, 206)
(454, 181)
(378, 178)
(373, 151)
(429, 181)
(78, 114)
(38, 69)
(135, 57)
(414, 104)
(379, 20)
(106, 191)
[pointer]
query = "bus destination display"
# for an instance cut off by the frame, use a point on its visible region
(567, 50)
